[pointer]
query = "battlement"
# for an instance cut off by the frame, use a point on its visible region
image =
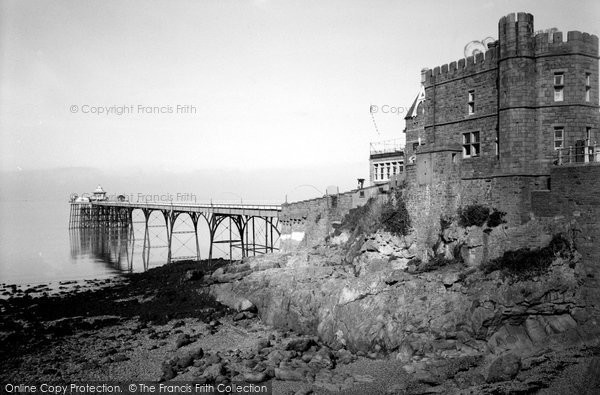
(553, 43)
(516, 38)
(462, 67)
(514, 17)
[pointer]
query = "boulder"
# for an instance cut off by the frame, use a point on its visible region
(289, 374)
(214, 371)
(405, 352)
(300, 345)
(224, 293)
(505, 367)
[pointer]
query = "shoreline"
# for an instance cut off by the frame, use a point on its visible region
(58, 287)
(163, 326)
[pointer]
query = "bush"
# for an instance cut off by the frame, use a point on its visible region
(525, 263)
(394, 215)
(496, 218)
(362, 219)
(473, 215)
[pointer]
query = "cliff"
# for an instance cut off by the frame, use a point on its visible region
(381, 301)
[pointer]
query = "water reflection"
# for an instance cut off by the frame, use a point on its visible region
(114, 246)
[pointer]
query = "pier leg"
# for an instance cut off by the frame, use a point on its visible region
(213, 224)
(246, 236)
(146, 249)
(253, 239)
(195, 222)
(169, 224)
(266, 236)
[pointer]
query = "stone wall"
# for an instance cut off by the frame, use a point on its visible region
(574, 197)
(574, 201)
(443, 197)
(306, 223)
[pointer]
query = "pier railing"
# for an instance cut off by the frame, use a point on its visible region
(209, 208)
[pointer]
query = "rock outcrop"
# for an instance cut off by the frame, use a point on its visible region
(378, 306)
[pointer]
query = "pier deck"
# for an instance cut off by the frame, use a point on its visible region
(239, 219)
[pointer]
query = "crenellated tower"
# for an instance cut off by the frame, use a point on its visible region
(517, 93)
(547, 93)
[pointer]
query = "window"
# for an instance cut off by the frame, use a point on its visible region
(588, 135)
(471, 146)
(471, 102)
(415, 146)
(394, 168)
(588, 86)
(559, 86)
(375, 168)
(559, 137)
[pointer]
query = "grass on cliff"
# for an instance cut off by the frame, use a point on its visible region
(394, 215)
(391, 216)
(525, 263)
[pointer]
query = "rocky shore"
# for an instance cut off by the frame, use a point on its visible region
(163, 325)
(453, 328)
(310, 323)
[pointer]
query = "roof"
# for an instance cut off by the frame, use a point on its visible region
(412, 111)
(99, 189)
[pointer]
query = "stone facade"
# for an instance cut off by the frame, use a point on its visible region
(504, 102)
(485, 133)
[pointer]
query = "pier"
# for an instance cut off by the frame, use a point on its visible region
(252, 229)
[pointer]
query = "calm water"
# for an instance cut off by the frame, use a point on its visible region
(36, 245)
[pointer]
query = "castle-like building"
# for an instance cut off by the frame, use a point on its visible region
(527, 103)
(513, 128)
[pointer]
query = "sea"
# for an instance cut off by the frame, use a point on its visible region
(37, 246)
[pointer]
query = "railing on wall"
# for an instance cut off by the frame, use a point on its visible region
(386, 146)
(585, 153)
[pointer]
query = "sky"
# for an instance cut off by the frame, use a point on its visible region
(278, 92)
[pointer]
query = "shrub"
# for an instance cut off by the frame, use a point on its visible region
(526, 263)
(362, 219)
(394, 215)
(496, 218)
(473, 215)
